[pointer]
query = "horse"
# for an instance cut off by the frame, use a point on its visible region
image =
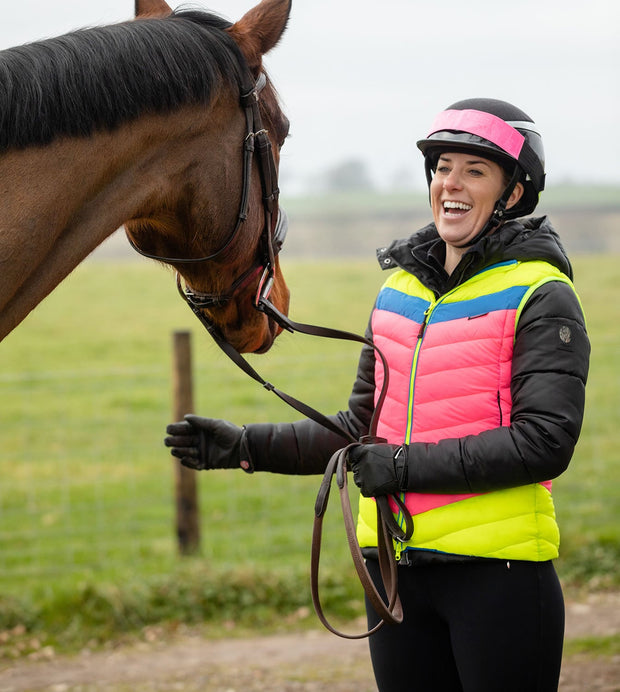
(165, 124)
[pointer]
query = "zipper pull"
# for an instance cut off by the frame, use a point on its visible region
(398, 549)
(424, 323)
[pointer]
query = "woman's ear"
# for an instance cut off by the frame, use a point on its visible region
(516, 195)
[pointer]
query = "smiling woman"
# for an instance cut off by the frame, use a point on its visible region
(488, 355)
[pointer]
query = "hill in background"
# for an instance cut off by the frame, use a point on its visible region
(354, 224)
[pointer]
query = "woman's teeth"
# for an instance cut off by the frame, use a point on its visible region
(456, 207)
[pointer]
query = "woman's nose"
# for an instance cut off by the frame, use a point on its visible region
(452, 181)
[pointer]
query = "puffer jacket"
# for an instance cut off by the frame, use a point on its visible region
(547, 383)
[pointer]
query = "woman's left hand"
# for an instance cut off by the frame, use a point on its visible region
(379, 469)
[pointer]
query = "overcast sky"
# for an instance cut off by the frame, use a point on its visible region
(361, 79)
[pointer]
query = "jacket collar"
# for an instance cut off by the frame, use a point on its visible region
(422, 253)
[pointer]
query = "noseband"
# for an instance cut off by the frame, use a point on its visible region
(275, 224)
(198, 300)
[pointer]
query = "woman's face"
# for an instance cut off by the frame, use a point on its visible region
(463, 193)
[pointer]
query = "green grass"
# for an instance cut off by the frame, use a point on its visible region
(87, 498)
(588, 496)
(607, 646)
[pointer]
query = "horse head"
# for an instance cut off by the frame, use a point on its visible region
(219, 223)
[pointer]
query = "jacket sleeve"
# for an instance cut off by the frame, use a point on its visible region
(305, 447)
(549, 372)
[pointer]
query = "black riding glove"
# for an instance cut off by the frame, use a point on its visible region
(208, 443)
(379, 469)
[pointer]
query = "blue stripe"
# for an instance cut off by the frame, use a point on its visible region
(400, 303)
(413, 308)
(508, 299)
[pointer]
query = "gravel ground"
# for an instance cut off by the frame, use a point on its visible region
(293, 662)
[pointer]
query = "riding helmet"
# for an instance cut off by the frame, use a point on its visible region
(496, 130)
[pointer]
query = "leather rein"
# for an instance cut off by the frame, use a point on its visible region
(272, 237)
(387, 526)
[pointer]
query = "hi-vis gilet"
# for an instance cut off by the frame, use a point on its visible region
(450, 370)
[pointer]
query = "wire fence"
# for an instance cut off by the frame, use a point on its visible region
(87, 489)
(72, 490)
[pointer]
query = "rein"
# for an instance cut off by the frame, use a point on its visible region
(272, 237)
(387, 527)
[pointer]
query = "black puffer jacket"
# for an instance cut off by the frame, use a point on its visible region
(547, 384)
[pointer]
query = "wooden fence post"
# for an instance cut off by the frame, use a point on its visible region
(187, 510)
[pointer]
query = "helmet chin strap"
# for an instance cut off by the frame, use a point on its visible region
(497, 218)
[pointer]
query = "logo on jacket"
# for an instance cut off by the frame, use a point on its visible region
(565, 335)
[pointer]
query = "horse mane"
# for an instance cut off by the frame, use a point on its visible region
(99, 78)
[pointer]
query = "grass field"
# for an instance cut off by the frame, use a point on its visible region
(86, 497)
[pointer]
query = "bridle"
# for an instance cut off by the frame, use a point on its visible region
(272, 237)
(275, 223)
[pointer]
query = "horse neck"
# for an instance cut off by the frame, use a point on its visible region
(61, 201)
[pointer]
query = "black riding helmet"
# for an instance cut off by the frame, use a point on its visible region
(498, 131)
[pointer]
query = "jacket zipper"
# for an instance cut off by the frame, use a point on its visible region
(414, 364)
(428, 313)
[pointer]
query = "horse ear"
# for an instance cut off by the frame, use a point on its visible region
(260, 29)
(152, 8)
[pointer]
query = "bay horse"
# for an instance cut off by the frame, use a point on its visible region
(150, 124)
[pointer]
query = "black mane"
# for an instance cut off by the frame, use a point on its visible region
(96, 79)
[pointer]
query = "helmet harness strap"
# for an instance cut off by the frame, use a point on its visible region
(497, 217)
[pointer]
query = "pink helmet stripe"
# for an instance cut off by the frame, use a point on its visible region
(486, 125)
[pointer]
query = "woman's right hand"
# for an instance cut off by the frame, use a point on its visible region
(205, 443)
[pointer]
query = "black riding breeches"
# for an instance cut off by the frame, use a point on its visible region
(480, 626)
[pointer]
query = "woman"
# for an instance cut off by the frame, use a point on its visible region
(488, 357)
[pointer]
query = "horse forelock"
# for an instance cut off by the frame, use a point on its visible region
(97, 79)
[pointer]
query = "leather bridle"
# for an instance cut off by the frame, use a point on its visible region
(272, 237)
(275, 224)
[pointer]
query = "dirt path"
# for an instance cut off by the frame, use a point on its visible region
(299, 662)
